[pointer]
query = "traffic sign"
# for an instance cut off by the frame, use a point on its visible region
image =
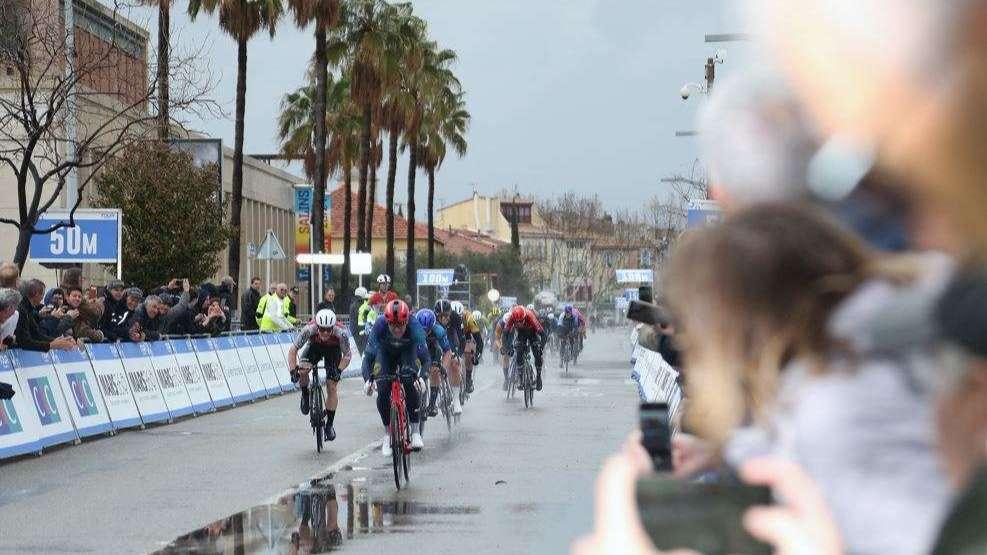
(271, 248)
(95, 237)
(439, 277)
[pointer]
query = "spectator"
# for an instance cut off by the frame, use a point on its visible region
(29, 334)
(227, 293)
(9, 300)
(180, 318)
(113, 302)
(248, 305)
(73, 277)
(328, 300)
(50, 315)
(213, 321)
(359, 299)
(149, 319)
(9, 276)
(272, 312)
(123, 325)
(82, 317)
(291, 302)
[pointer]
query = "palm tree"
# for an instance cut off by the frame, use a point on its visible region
(445, 124)
(376, 157)
(241, 20)
(325, 14)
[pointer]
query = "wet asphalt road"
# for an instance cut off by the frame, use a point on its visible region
(506, 480)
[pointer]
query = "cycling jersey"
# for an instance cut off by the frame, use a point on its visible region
(528, 323)
(394, 353)
(470, 325)
(454, 330)
(311, 348)
(568, 323)
(339, 338)
(438, 342)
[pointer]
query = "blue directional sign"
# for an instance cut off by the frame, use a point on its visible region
(435, 277)
(703, 212)
(95, 237)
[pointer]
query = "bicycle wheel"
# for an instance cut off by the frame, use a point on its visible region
(406, 457)
(511, 380)
(446, 401)
(397, 450)
(316, 414)
(566, 356)
(529, 387)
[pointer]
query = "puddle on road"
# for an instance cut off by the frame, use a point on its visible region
(317, 518)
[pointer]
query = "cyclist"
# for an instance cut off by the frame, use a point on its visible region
(321, 340)
(452, 323)
(397, 342)
(569, 327)
(385, 288)
(440, 351)
(473, 331)
(529, 332)
(504, 340)
(582, 329)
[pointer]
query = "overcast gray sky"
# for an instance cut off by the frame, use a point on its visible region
(577, 95)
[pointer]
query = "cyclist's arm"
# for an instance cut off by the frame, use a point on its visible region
(301, 339)
(420, 345)
(369, 356)
(344, 347)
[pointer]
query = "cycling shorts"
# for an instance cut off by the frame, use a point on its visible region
(313, 353)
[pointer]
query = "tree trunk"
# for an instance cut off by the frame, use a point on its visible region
(344, 279)
(164, 36)
(431, 217)
(410, 275)
(371, 204)
(392, 167)
(233, 252)
(320, 137)
(361, 216)
(23, 245)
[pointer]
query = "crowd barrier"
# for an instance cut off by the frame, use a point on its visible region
(66, 396)
(657, 381)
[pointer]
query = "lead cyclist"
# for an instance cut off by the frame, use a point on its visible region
(321, 340)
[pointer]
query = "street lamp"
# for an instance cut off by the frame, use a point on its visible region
(493, 296)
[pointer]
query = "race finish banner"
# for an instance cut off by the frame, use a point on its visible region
(219, 389)
(232, 369)
(272, 382)
(114, 386)
(38, 381)
(635, 276)
(19, 427)
(250, 367)
(191, 374)
(85, 401)
(172, 384)
(95, 237)
(144, 384)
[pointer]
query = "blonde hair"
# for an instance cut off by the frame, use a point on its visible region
(749, 295)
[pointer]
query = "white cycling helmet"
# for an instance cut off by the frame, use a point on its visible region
(325, 318)
(361, 292)
(383, 278)
(477, 315)
(458, 308)
(531, 307)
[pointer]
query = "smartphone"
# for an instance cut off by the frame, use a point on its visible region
(707, 518)
(647, 313)
(656, 435)
(646, 294)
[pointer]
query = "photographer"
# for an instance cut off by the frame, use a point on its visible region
(29, 334)
(213, 321)
(81, 317)
(149, 318)
(122, 324)
(51, 314)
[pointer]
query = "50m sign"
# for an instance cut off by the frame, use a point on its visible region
(94, 238)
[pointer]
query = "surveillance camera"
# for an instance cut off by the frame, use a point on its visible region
(684, 92)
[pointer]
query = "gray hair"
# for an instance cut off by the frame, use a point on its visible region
(9, 298)
(151, 299)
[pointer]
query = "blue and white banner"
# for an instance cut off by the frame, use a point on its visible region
(38, 381)
(702, 213)
(114, 385)
(95, 237)
(85, 400)
(143, 382)
(191, 374)
(172, 384)
(230, 363)
(250, 367)
(272, 381)
(19, 426)
(435, 277)
(212, 372)
(635, 276)
(279, 360)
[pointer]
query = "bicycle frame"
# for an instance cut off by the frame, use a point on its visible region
(398, 402)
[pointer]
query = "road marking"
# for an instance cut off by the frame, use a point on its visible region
(334, 468)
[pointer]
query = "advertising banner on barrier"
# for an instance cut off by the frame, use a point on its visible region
(19, 427)
(143, 382)
(191, 374)
(356, 360)
(219, 390)
(657, 380)
(171, 382)
(272, 381)
(36, 374)
(250, 367)
(114, 385)
(232, 369)
(82, 392)
(272, 341)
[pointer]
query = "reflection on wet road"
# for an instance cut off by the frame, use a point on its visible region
(319, 517)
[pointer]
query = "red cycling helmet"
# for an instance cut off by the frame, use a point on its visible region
(397, 312)
(517, 314)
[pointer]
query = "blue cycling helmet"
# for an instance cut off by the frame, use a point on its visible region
(568, 309)
(426, 318)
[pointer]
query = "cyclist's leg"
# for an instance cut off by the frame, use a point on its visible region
(535, 341)
(304, 369)
(332, 357)
(388, 367)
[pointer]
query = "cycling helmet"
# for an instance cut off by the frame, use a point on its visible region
(396, 312)
(531, 307)
(568, 309)
(325, 318)
(443, 306)
(361, 292)
(384, 278)
(477, 315)
(426, 318)
(517, 314)
(458, 308)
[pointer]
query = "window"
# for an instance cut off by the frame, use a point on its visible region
(645, 258)
(523, 211)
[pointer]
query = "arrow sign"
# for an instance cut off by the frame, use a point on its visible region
(271, 248)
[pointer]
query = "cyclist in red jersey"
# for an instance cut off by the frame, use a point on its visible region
(528, 332)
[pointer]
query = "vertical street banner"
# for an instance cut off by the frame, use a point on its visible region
(114, 385)
(232, 369)
(36, 375)
(272, 380)
(19, 427)
(143, 382)
(191, 374)
(212, 372)
(172, 384)
(85, 400)
(303, 225)
(250, 366)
